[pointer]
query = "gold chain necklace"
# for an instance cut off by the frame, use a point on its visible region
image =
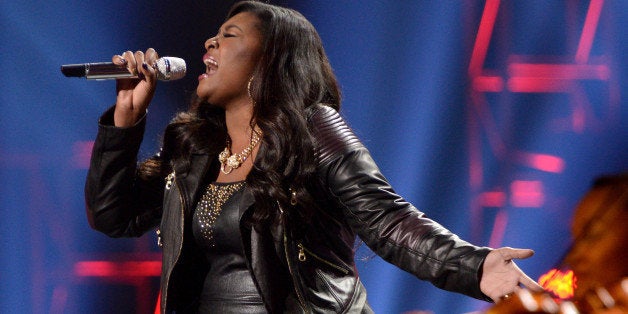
(229, 162)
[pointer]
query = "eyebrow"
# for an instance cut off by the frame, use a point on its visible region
(230, 26)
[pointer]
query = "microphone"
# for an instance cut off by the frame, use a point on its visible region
(167, 69)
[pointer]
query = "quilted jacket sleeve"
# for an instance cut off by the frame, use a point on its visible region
(118, 202)
(390, 226)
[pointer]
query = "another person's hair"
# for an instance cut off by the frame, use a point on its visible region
(293, 75)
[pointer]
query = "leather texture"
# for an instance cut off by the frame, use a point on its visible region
(297, 268)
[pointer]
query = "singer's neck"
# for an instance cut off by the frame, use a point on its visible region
(238, 119)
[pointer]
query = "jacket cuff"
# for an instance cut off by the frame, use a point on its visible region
(476, 265)
(113, 137)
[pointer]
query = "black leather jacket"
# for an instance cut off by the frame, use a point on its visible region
(296, 268)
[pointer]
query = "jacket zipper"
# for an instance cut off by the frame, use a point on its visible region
(169, 180)
(303, 257)
(285, 247)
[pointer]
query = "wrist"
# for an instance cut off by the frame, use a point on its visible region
(124, 118)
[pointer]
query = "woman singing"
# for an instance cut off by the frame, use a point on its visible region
(261, 188)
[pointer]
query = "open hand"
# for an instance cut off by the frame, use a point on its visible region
(500, 275)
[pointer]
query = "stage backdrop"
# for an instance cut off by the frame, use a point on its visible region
(492, 117)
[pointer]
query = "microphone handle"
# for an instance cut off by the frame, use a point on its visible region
(167, 68)
(97, 71)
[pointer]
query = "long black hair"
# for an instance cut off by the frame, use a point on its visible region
(292, 76)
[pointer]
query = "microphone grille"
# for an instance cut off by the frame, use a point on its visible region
(170, 68)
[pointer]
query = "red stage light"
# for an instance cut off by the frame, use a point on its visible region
(117, 269)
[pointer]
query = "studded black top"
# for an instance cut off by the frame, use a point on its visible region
(229, 286)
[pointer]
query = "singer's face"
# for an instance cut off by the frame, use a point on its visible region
(230, 60)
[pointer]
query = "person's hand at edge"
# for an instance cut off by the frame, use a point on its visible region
(501, 277)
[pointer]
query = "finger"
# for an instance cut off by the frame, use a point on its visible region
(509, 253)
(118, 60)
(529, 283)
(130, 61)
(139, 59)
(145, 68)
(525, 280)
(151, 56)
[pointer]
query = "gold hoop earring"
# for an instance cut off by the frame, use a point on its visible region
(248, 89)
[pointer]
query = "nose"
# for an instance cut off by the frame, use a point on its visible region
(211, 43)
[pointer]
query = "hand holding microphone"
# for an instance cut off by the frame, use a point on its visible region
(134, 96)
(136, 76)
(168, 69)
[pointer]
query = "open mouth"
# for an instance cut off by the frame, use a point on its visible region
(210, 64)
